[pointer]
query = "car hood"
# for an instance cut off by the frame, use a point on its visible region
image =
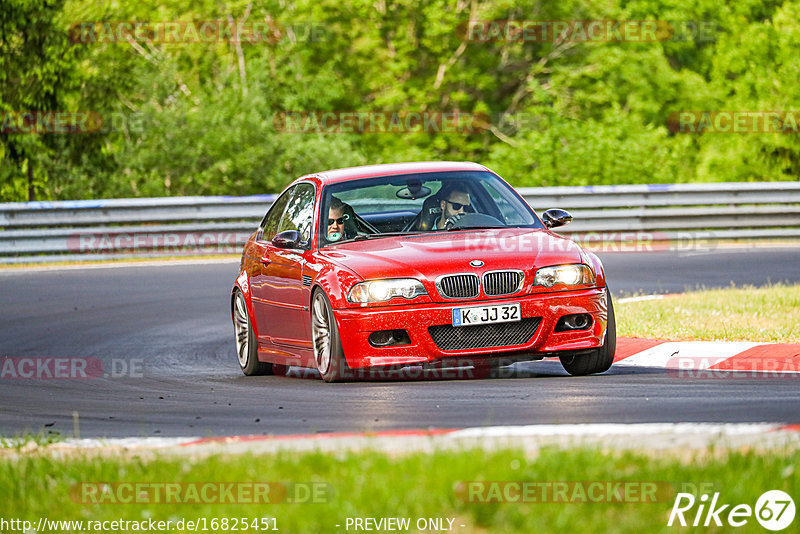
(428, 256)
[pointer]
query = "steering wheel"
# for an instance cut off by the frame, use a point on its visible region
(472, 220)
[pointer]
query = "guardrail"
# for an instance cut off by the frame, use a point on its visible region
(173, 226)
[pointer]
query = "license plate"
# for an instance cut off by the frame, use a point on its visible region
(503, 313)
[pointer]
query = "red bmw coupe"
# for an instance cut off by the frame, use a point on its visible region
(432, 264)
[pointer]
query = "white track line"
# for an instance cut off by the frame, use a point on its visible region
(640, 298)
(617, 436)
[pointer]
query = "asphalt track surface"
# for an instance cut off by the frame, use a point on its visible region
(170, 325)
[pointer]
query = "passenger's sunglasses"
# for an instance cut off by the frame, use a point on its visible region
(340, 220)
(457, 206)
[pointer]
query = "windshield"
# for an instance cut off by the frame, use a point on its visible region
(420, 203)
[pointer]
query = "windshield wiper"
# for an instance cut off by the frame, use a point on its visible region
(364, 237)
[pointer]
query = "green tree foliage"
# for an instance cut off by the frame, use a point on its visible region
(198, 118)
(37, 73)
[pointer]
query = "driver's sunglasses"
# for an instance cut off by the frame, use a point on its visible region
(457, 206)
(340, 220)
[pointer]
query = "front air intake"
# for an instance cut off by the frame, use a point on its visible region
(448, 337)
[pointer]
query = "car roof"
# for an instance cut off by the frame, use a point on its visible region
(389, 169)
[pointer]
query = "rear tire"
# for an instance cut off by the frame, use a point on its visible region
(246, 344)
(328, 352)
(599, 360)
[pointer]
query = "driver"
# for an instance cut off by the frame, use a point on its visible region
(455, 202)
(339, 226)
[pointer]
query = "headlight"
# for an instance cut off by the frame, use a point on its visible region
(383, 290)
(571, 275)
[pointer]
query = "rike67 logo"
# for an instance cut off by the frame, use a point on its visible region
(774, 510)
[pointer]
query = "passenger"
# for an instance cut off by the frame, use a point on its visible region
(340, 221)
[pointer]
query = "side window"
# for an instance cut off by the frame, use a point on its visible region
(299, 213)
(510, 214)
(273, 216)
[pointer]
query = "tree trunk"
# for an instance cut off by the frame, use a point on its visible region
(31, 188)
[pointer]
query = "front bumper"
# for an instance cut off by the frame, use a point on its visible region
(355, 326)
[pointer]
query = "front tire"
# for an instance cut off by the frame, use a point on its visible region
(599, 360)
(328, 352)
(246, 344)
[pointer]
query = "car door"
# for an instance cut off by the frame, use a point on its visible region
(281, 295)
(258, 267)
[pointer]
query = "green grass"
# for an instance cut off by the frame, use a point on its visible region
(768, 314)
(372, 484)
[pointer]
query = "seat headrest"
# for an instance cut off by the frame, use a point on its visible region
(431, 210)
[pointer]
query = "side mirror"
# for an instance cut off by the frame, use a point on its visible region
(287, 239)
(554, 218)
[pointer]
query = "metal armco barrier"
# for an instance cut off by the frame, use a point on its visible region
(175, 226)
